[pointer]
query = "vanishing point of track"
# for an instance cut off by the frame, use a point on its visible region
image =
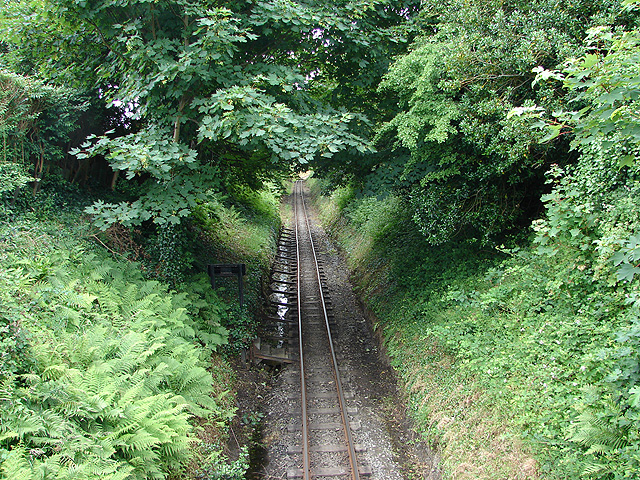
(327, 447)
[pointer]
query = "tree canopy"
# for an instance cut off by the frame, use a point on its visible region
(450, 147)
(220, 92)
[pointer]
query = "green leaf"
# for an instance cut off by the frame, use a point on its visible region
(590, 60)
(627, 271)
(553, 131)
(627, 161)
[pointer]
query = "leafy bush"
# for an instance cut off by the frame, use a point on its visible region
(448, 145)
(103, 371)
(36, 119)
(12, 176)
(540, 346)
(216, 468)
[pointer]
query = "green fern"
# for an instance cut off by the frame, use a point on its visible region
(603, 436)
(114, 371)
(16, 465)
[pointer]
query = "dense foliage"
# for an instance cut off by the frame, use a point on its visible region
(106, 364)
(450, 147)
(115, 368)
(101, 369)
(222, 93)
(35, 122)
(537, 343)
(540, 346)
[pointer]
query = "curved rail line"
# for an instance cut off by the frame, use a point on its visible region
(322, 355)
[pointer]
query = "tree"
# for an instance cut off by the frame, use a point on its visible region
(450, 149)
(35, 119)
(604, 82)
(225, 92)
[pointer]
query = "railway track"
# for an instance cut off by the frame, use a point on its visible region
(301, 334)
(327, 447)
(324, 419)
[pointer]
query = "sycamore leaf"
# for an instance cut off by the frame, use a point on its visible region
(626, 272)
(619, 257)
(553, 132)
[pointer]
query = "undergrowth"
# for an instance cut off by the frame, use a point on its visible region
(518, 363)
(106, 368)
(117, 368)
(241, 227)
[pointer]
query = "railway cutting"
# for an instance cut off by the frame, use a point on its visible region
(333, 412)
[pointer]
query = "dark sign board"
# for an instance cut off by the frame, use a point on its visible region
(228, 270)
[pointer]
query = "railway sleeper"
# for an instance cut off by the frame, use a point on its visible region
(286, 257)
(326, 411)
(288, 341)
(347, 394)
(292, 306)
(282, 282)
(282, 272)
(329, 472)
(289, 296)
(324, 371)
(296, 427)
(297, 449)
(279, 320)
(331, 324)
(290, 265)
(316, 313)
(288, 293)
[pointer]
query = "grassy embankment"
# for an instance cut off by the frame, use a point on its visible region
(516, 364)
(118, 369)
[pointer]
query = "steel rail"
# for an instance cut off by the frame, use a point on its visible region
(355, 474)
(306, 462)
